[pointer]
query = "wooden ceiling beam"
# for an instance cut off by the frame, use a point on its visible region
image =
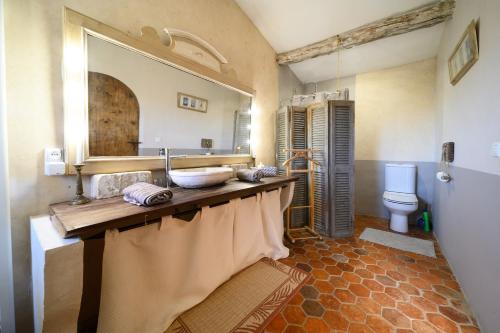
(421, 17)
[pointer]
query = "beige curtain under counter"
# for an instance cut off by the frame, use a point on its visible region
(154, 273)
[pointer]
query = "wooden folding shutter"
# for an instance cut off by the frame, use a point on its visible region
(282, 138)
(298, 140)
(291, 132)
(318, 139)
(341, 178)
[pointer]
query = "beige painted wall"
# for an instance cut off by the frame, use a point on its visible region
(289, 83)
(34, 93)
(395, 113)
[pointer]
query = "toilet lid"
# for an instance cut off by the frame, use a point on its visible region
(397, 197)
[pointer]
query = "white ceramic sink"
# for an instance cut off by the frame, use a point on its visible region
(200, 177)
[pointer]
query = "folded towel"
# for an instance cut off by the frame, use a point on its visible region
(267, 171)
(145, 194)
(248, 175)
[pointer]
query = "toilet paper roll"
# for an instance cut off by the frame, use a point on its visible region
(443, 177)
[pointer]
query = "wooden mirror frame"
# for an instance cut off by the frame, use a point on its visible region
(76, 27)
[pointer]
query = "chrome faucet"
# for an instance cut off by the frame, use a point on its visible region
(168, 165)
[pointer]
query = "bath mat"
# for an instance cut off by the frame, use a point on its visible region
(245, 303)
(400, 242)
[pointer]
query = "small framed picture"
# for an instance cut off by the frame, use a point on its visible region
(465, 54)
(190, 102)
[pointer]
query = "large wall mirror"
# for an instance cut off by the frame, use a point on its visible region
(137, 106)
(128, 98)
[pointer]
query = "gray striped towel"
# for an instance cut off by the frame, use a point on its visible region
(248, 175)
(145, 194)
(267, 171)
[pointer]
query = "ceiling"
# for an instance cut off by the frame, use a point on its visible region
(289, 24)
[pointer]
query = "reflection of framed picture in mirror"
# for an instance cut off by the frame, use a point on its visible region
(465, 54)
(189, 102)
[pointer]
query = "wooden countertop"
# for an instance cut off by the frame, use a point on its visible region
(99, 215)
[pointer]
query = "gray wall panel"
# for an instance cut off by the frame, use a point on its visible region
(467, 224)
(370, 186)
(466, 219)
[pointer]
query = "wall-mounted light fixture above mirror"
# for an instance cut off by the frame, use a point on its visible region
(126, 98)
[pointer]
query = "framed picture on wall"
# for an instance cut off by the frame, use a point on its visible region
(190, 102)
(465, 54)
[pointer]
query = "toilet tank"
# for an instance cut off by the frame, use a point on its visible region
(400, 178)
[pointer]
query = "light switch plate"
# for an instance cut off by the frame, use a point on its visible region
(495, 149)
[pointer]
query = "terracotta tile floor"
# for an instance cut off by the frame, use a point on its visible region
(358, 286)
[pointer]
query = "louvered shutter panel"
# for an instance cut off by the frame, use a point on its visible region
(341, 181)
(318, 138)
(282, 138)
(291, 132)
(298, 140)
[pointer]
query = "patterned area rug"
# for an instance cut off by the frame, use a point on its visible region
(405, 243)
(245, 303)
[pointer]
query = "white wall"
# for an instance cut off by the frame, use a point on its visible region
(162, 123)
(395, 113)
(7, 323)
(470, 110)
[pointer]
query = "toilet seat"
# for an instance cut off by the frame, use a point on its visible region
(400, 198)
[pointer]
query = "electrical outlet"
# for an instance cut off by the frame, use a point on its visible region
(206, 143)
(54, 162)
(53, 155)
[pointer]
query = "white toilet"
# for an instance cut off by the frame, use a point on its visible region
(399, 195)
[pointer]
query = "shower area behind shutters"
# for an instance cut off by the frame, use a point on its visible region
(329, 128)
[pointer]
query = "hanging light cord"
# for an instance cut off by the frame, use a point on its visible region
(339, 43)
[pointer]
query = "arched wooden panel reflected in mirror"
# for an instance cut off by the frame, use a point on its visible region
(113, 117)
